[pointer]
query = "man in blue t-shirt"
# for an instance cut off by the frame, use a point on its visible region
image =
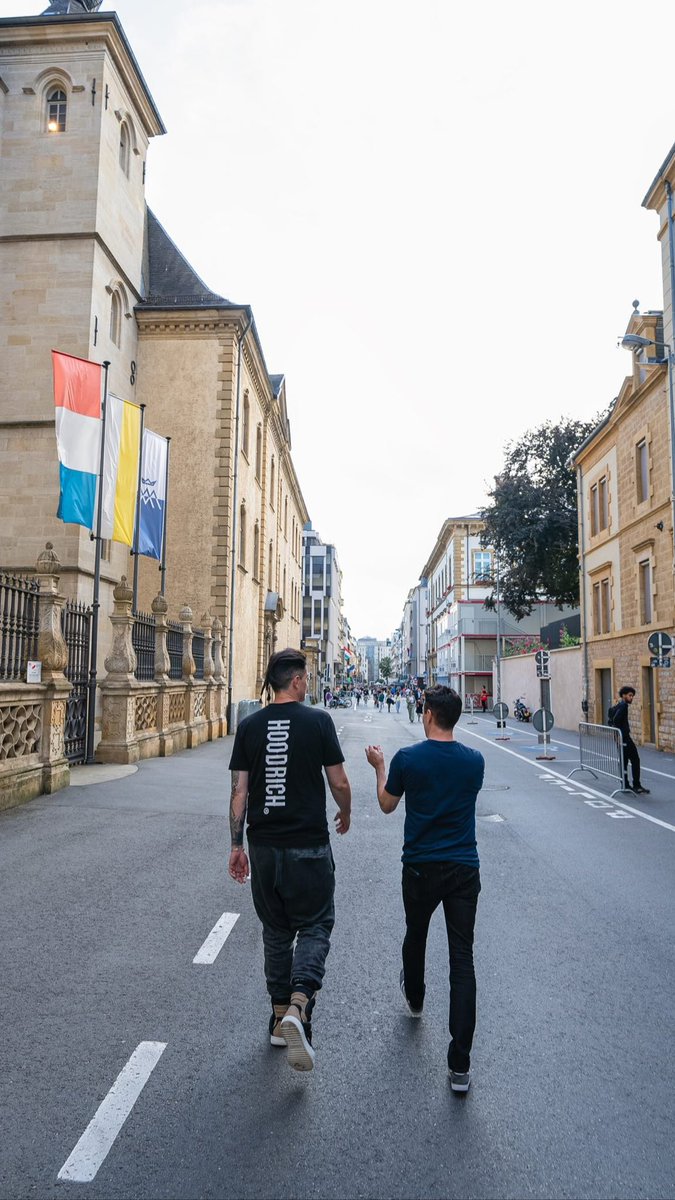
(441, 779)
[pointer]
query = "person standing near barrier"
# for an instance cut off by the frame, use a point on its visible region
(441, 779)
(277, 764)
(618, 717)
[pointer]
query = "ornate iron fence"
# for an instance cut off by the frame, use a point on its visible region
(143, 642)
(198, 653)
(76, 627)
(19, 600)
(174, 645)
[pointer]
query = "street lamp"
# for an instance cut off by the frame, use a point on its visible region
(634, 342)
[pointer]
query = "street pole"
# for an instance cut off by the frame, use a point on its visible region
(95, 606)
(499, 636)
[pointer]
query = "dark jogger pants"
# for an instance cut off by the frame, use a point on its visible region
(630, 755)
(456, 887)
(293, 893)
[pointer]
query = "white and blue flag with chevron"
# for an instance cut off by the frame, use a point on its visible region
(154, 464)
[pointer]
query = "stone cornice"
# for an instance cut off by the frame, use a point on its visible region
(46, 36)
(186, 322)
(76, 237)
(626, 401)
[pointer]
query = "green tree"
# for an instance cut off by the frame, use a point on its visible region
(386, 669)
(531, 521)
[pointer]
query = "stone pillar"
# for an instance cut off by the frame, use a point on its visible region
(210, 698)
(220, 729)
(118, 703)
(189, 667)
(53, 654)
(209, 666)
(162, 669)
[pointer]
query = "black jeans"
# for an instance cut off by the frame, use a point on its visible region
(293, 892)
(456, 887)
(630, 755)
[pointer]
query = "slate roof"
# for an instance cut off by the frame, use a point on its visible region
(168, 279)
(277, 382)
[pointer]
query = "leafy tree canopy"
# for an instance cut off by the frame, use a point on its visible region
(532, 519)
(386, 669)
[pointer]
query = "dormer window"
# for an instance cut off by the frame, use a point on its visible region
(125, 148)
(57, 105)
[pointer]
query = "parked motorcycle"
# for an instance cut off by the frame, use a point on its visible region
(520, 710)
(340, 702)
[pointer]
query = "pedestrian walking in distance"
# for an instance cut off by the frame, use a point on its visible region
(277, 765)
(411, 705)
(618, 717)
(440, 779)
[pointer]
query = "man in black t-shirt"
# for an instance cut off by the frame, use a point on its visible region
(277, 765)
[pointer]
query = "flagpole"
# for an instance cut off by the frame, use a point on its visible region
(137, 531)
(93, 650)
(166, 516)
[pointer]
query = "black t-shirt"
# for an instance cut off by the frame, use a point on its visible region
(284, 748)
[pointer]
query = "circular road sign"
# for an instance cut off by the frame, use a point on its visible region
(501, 711)
(660, 645)
(543, 720)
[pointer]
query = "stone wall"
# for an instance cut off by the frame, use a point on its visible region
(519, 678)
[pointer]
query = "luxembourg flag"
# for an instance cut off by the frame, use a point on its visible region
(77, 400)
(153, 494)
(120, 470)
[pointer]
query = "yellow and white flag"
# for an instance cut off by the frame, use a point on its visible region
(120, 470)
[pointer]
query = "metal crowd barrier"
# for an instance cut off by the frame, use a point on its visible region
(601, 753)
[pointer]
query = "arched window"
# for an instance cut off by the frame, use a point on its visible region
(125, 148)
(256, 550)
(258, 452)
(57, 106)
(242, 536)
(270, 565)
(245, 424)
(116, 318)
(272, 481)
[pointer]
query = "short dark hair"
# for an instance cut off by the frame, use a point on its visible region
(444, 704)
(628, 688)
(282, 667)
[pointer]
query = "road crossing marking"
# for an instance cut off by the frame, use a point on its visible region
(587, 789)
(210, 949)
(98, 1138)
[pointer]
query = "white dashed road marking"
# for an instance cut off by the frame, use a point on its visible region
(99, 1136)
(209, 951)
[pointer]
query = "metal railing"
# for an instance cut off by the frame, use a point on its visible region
(19, 622)
(143, 642)
(198, 653)
(601, 753)
(76, 628)
(174, 645)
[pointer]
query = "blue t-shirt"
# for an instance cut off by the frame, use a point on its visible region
(440, 781)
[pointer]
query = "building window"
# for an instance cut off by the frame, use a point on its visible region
(242, 536)
(125, 148)
(245, 424)
(602, 606)
(272, 480)
(316, 630)
(270, 565)
(642, 471)
(258, 453)
(57, 106)
(286, 517)
(283, 590)
(256, 550)
(646, 608)
(482, 567)
(599, 507)
(317, 573)
(116, 318)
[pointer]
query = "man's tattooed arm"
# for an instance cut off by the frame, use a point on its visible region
(238, 808)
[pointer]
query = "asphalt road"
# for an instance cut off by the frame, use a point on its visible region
(107, 893)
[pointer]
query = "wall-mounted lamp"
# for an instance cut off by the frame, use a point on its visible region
(660, 526)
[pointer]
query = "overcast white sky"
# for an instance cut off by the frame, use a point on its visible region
(434, 210)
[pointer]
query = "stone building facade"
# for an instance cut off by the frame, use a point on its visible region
(624, 479)
(87, 269)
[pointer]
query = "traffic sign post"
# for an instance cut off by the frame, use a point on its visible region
(660, 645)
(659, 662)
(542, 661)
(543, 722)
(501, 712)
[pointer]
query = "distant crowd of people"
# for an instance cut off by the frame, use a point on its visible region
(411, 695)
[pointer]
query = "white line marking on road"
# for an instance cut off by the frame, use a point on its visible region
(99, 1136)
(211, 948)
(571, 746)
(617, 803)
